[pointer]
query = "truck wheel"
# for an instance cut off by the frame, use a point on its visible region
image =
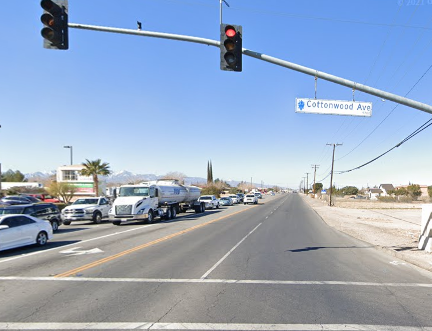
(97, 218)
(150, 216)
(67, 222)
(202, 208)
(168, 214)
(174, 212)
(116, 222)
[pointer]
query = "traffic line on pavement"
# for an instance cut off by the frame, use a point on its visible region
(137, 248)
(77, 243)
(213, 281)
(207, 326)
(229, 252)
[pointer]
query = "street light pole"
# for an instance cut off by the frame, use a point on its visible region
(71, 153)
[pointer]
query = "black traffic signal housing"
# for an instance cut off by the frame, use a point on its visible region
(55, 20)
(231, 47)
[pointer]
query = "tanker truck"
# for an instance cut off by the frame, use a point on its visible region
(150, 200)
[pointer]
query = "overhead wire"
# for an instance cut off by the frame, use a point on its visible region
(418, 81)
(416, 132)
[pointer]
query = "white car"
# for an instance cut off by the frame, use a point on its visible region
(86, 209)
(18, 230)
(210, 201)
(250, 198)
(234, 198)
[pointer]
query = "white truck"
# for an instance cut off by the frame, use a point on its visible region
(148, 200)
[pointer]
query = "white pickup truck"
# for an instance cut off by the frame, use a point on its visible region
(86, 209)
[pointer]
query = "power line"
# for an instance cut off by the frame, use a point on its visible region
(416, 132)
(424, 74)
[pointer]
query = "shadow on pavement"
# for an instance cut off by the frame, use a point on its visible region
(306, 249)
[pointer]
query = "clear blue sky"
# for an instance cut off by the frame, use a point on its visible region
(153, 105)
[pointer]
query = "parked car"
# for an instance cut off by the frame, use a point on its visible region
(234, 198)
(226, 201)
(86, 209)
(22, 230)
(42, 197)
(18, 200)
(210, 200)
(250, 198)
(240, 197)
(45, 211)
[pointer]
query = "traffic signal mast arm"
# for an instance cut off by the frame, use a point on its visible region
(308, 71)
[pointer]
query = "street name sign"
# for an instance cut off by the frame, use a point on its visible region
(333, 107)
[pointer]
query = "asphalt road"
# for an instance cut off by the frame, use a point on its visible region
(274, 266)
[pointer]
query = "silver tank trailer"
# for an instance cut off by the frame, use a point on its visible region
(170, 191)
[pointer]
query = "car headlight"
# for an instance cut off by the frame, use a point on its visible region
(88, 211)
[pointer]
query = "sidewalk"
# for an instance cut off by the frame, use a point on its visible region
(395, 230)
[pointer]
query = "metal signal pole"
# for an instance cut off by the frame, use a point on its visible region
(331, 177)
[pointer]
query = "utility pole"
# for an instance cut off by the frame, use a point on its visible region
(307, 182)
(314, 166)
(304, 182)
(331, 177)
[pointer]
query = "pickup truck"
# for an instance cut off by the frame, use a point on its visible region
(86, 209)
(210, 201)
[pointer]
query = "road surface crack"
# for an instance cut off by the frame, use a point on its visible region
(169, 310)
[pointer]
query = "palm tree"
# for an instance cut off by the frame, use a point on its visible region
(93, 169)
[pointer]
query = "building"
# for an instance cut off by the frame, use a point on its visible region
(385, 188)
(374, 193)
(72, 175)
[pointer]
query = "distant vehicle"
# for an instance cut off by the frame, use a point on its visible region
(226, 201)
(234, 198)
(22, 230)
(42, 197)
(18, 200)
(240, 197)
(86, 209)
(250, 198)
(272, 193)
(44, 211)
(258, 195)
(210, 200)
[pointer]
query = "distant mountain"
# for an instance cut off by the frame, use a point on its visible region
(124, 177)
(39, 176)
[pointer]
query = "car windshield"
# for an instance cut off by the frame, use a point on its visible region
(205, 198)
(4, 211)
(86, 202)
(142, 191)
(224, 198)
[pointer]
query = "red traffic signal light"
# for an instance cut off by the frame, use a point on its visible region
(231, 47)
(55, 20)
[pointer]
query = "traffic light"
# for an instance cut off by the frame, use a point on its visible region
(230, 47)
(55, 19)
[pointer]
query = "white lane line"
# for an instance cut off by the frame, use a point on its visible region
(77, 243)
(207, 326)
(212, 281)
(227, 254)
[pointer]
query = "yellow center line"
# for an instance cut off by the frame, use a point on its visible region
(137, 248)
